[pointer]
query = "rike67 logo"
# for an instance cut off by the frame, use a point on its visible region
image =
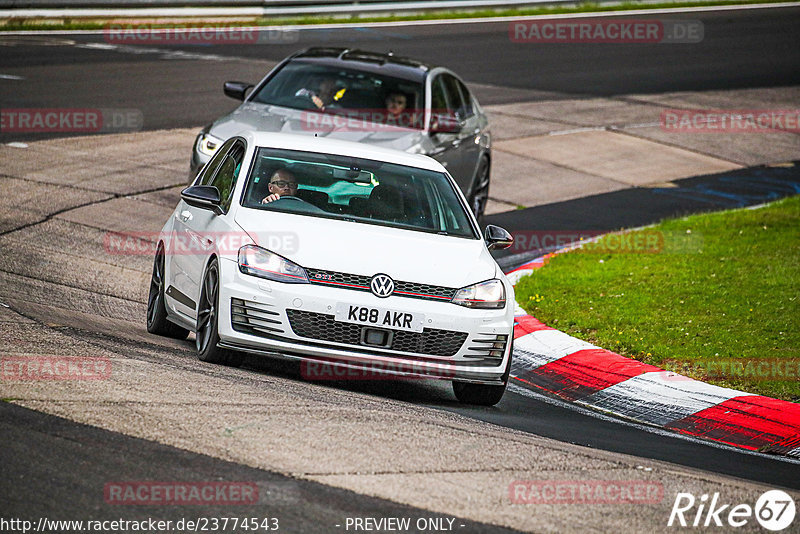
(774, 510)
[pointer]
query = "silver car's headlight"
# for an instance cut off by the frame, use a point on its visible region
(261, 262)
(208, 144)
(485, 295)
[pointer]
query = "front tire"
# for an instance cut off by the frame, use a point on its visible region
(157, 322)
(207, 331)
(483, 394)
(478, 394)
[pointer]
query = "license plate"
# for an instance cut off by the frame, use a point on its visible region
(380, 317)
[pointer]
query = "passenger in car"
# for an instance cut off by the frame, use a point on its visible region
(397, 112)
(396, 103)
(282, 183)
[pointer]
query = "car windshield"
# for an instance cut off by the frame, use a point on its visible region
(355, 94)
(360, 190)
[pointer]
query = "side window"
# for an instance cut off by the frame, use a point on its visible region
(438, 100)
(209, 170)
(225, 178)
(469, 111)
(455, 101)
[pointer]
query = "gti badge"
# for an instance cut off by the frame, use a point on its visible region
(382, 285)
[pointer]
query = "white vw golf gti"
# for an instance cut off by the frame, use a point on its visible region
(339, 254)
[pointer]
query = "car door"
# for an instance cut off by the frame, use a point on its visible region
(445, 145)
(468, 149)
(198, 229)
(464, 150)
(452, 149)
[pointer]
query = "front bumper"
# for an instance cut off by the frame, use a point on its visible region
(296, 321)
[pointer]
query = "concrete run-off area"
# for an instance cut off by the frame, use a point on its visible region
(551, 150)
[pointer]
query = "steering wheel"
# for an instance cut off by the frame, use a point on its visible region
(291, 197)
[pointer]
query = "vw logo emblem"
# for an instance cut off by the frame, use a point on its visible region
(382, 285)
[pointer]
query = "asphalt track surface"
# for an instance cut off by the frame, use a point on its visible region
(752, 48)
(31, 437)
(740, 50)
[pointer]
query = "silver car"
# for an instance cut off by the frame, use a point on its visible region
(368, 97)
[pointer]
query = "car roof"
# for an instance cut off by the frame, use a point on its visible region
(323, 145)
(375, 62)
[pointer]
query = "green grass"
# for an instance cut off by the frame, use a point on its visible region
(581, 7)
(725, 286)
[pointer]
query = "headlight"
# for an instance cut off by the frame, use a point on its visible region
(208, 144)
(261, 262)
(486, 295)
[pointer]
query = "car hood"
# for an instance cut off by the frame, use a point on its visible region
(367, 249)
(268, 118)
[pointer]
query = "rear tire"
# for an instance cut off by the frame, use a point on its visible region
(207, 331)
(157, 322)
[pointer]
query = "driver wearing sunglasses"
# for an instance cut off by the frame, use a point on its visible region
(282, 183)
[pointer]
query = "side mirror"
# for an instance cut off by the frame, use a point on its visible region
(236, 90)
(443, 123)
(498, 238)
(203, 196)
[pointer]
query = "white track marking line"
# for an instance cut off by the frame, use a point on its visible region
(394, 24)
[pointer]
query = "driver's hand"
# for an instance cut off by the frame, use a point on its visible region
(271, 198)
(318, 102)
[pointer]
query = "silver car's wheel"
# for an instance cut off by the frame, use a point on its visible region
(157, 322)
(207, 335)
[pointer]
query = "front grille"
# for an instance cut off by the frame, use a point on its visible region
(414, 290)
(487, 346)
(353, 281)
(361, 283)
(325, 327)
(255, 318)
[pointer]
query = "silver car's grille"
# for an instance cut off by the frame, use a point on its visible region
(361, 283)
(324, 327)
(255, 317)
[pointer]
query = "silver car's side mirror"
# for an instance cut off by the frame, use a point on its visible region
(443, 123)
(236, 90)
(498, 238)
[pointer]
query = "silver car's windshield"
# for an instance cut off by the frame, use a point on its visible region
(355, 94)
(356, 189)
